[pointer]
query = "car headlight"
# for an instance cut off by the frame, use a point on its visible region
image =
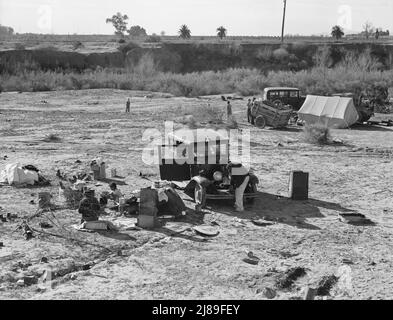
(217, 176)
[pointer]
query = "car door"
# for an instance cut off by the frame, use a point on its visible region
(172, 165)
(293, 99)
(284, 96)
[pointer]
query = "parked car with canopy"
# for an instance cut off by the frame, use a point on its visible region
(200, 157)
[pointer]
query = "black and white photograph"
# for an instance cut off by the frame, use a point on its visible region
(209, 151)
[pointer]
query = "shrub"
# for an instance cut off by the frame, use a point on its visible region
(19, 46)
(48, 48)
(146, 66)
(77, 45)
(317, 134)
(190, 122)
(40, 86)
(280, 54)
(363, 62)
(122, 41)
(72, 197)
(124, 48)
(144, 74)
(153, 38)
(137, 31)
(52, 138)
(212, 114)
(265, 54)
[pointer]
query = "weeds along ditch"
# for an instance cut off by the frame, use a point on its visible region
(352, 73)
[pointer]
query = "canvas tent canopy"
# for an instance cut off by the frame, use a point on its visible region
(14, 174)
(334, 112)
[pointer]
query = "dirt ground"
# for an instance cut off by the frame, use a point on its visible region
(173, 262)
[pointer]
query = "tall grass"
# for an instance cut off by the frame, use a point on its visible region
(354, 73)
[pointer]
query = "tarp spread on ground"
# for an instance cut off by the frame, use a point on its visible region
(14, 174)
(334, 112)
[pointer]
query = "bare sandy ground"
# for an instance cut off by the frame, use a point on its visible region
(173, 262)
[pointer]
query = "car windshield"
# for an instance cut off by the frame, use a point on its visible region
(214, 152)
(294, 94)
(198, 153)
(274, 94)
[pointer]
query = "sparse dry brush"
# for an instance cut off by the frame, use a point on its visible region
(317, 134)
(251, 82)
(350, 75)
(52, 137)
(211, 114)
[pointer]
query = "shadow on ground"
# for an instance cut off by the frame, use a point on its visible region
(365, 127)
(281, 210)
(117, 181)
(116, 235)
(192, 219)
(288, 129)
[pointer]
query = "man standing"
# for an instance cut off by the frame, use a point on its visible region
(239, 180)
(253, 103)
(229, 110)
(128, 104)
(249, 106)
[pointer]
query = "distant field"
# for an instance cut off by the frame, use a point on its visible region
(108, 43)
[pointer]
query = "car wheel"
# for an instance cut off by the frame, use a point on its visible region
(199, 196)
(253, 189)
(278, 103)
(260, 122)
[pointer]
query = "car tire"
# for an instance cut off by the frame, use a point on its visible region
(199, 197)
(260, 122)
(278, 103)
(254, 189)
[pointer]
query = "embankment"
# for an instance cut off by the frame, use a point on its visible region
(194, 57)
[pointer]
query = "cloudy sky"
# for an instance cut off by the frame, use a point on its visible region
(240, 17)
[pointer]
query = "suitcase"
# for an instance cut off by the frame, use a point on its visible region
(298, 185)
(148, 209)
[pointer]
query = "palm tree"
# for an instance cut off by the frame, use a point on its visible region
(337, 32)
(221, 32)
(185, 32)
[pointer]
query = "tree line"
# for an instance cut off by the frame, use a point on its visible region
(368, 31)
(120, 22)
(6, 31)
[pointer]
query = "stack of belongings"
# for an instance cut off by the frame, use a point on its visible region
(72, 195)
(148, 209)
(98, 167)
(169, 202)
(160, 199)
(90, 210)
(15, 174)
